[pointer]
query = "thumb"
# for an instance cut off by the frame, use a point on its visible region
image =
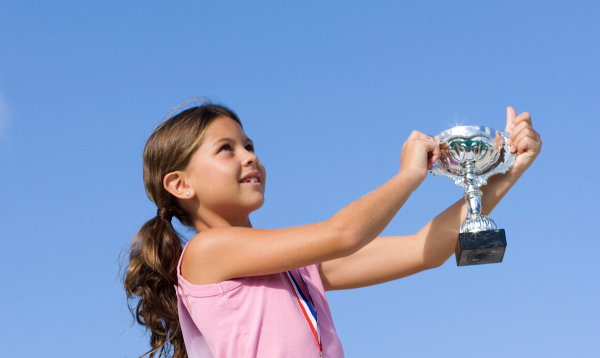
(510, 118)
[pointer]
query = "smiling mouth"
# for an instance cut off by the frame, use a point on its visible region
(252, 177)
(250, 180)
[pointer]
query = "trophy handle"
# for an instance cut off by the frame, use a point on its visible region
(439, 172)
(507, 162)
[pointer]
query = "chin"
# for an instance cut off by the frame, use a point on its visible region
(256, 205)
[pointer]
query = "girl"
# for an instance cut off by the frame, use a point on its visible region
(236, 291)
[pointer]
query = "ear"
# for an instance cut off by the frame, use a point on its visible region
(175, 184)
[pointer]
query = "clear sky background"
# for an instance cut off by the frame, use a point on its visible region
(328, 92)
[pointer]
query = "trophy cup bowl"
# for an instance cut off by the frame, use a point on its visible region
(469, 156)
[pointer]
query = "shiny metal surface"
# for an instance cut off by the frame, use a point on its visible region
(470, 155)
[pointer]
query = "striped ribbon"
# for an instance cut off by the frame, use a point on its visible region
(307, 307)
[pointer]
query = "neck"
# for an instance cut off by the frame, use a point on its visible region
(211, 220)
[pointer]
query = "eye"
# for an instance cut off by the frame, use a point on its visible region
(250, 148)
(225, 147)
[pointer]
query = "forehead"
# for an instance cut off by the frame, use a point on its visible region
(223, 127)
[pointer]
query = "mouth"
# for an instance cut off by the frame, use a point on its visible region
(252, 177)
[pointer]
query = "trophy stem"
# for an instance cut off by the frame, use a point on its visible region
(476, 220)
(472, 193)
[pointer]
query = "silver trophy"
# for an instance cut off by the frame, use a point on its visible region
(469, 156)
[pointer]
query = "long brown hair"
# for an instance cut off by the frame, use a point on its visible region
(151, 273)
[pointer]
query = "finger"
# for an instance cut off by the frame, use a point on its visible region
(418, 135)
(523, 117)
(530, 130)
(414, 135)
(433, 151)
(526, 133)
(510, 117)
(523, 127)
(434, 155)
(516, 130)
(431, 145)
(526, 144)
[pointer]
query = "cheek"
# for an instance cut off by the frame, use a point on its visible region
(263, 171)
(214, 179)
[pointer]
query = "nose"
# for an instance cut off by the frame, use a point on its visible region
(250, 158)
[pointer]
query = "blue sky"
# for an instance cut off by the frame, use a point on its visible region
(328, 92)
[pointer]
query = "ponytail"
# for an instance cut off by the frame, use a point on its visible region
(151, 277)
(155, 251)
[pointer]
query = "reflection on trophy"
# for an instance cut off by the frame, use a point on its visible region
(469, 156)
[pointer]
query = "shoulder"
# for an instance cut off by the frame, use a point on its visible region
(198, 243)
(198, 264)
(209, 242)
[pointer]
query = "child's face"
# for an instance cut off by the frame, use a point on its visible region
(218, 168)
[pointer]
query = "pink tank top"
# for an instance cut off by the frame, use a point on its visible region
(255, 316)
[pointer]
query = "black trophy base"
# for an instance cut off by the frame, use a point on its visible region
(484, 247)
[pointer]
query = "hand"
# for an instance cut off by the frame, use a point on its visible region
(419, 153)
(524, 140)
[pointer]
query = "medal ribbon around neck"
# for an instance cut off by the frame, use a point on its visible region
(307, 307)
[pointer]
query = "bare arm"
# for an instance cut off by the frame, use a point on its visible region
(393, 257)
(218, 254)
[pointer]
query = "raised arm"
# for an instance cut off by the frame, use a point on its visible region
(393, 257)
(218, 254)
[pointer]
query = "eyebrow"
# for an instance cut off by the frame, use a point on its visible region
(227, 139)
